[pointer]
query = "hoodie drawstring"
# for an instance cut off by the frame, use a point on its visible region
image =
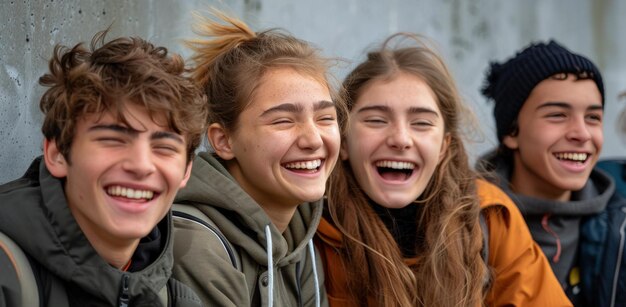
(546, 227)
(315, 279)
(270, 267)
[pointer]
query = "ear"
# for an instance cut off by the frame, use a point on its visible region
(220, 141)
(343, 151)
(511, 142)
(54, 159)
(444, 146)
(187, 175)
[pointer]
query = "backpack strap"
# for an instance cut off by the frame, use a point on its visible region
(192, 214)
(179, 295)
(485, 231)
(487, 283)
(23, 270)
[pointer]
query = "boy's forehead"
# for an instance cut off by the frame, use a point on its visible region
(134, 117)
(565, 90)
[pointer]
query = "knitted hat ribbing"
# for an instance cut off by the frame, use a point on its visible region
(509, 84)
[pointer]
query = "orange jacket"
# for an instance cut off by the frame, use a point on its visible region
(522, 274)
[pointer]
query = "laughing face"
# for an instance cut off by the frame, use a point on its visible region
(286, 142)
(395, 139)
(559, 138)
(120, 180)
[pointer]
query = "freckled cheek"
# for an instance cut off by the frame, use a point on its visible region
(332, 138)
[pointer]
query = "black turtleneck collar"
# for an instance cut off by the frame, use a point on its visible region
(149, 248)
(402, 224)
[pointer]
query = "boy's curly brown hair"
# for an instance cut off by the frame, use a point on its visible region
(111, 74)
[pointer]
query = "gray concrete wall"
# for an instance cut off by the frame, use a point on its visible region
(469, 33)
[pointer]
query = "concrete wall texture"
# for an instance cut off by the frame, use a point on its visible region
(469, 33)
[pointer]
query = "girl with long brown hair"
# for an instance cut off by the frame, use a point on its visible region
(402, 226)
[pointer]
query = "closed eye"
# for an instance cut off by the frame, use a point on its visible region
(595, 117)
(167, 149)
(375, 121)
(422, 123)
(281, 121)
(556, 115)
(327, 120)
(110, 140)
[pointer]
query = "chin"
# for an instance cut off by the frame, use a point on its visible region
(312, 196)
(574, 184)
(395, 203)
(574, 187)
(133, 233)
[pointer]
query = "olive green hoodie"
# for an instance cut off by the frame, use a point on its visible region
(294, 280)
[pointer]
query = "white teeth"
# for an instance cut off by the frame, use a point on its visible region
(580, 157)
(310, 165)
(129, 193)
(396, 164)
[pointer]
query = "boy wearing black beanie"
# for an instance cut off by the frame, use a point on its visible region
(548, 109)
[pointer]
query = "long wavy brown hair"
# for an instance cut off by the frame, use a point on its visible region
(449, 269)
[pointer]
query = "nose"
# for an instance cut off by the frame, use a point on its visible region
(310, 137)
(578, 130)
(399, 137)
(139, 161)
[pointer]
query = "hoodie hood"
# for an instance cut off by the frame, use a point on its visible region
(244, 223)
(616, 168)
(591, 199)
(34, 212)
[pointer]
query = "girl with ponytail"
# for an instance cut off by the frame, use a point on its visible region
(403, 219)
(274, 133)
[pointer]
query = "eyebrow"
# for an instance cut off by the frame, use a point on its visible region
(116, 128)
(167, 135)
(417, 110)
(323, 104)
(594, 107)
(134, 132)
(386, 109)
(296, 108)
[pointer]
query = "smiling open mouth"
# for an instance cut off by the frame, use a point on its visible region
(572, 157)
(120, 191)
(310, 166)
(395, 170)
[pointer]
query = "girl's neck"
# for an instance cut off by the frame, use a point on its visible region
(280, 217)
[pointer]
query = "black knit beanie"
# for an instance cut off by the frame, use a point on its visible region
(509, 84)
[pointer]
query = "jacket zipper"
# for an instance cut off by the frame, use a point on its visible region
(620, 253)
(124, 298)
